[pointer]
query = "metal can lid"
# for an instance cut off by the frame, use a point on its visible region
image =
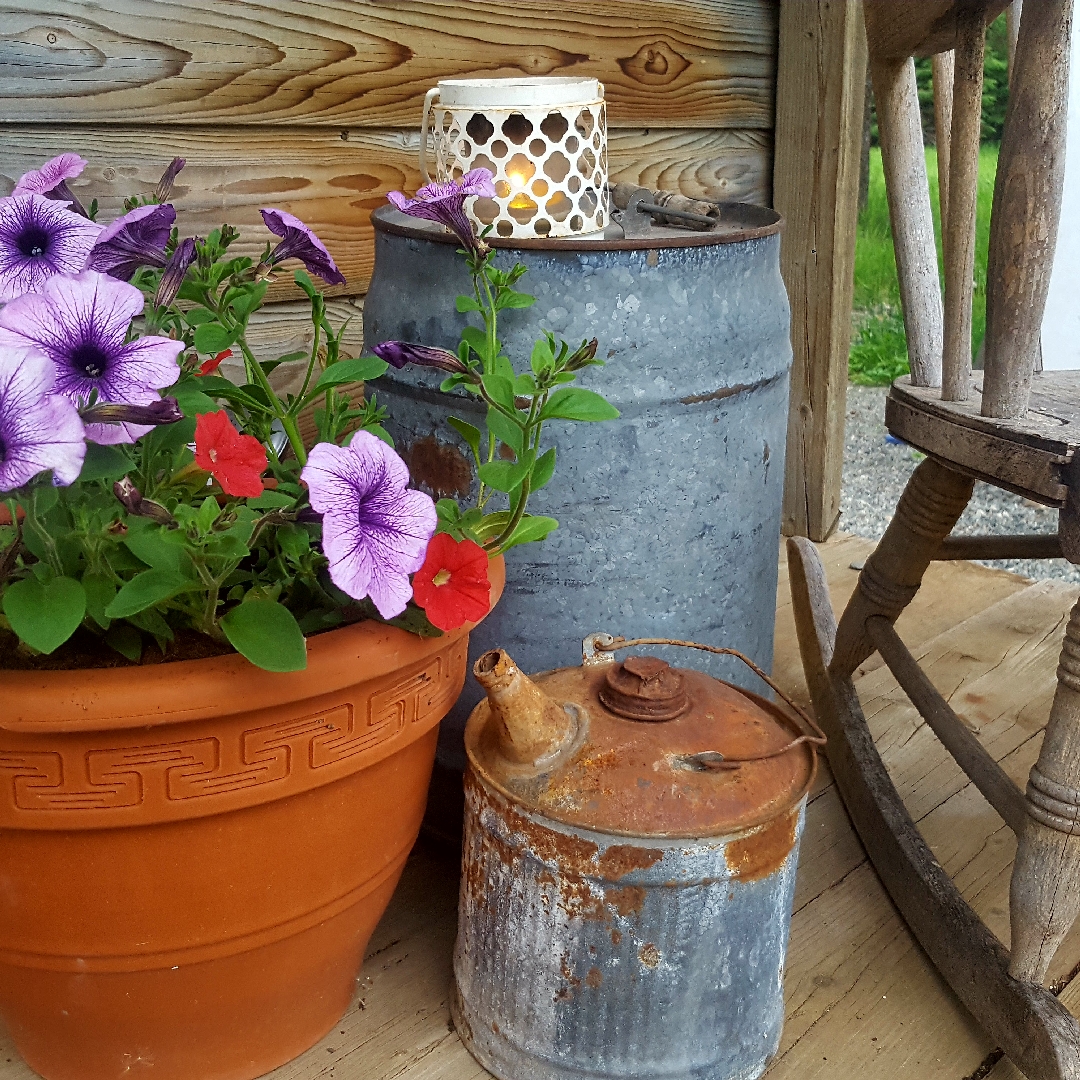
(699, 765)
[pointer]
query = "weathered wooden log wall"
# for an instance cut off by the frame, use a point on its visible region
(314, 105)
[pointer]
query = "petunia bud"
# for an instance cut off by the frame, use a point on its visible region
(583, 357)
(132, 501)
(175, 271)
(165, 411)
(399, 353)
(168, 178)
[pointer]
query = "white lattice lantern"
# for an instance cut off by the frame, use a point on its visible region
(544, 140)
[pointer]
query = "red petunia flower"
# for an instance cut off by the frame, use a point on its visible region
(452, 586)
(236, 461)
(210, 366)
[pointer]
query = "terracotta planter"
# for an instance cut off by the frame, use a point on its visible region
(193, 855)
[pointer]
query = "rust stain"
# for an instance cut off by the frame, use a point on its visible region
(649, 955)
(718, 395)
(594, 978)
(626, 901)
(616, 937)
(441, 468)
(578, 901)
(764, 850)
(621, 859)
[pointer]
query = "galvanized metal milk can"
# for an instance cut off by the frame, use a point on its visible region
(669, 516)
(631, 838)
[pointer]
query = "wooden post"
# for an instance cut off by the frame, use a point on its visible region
(958, 233)
(904, 161)
(943, 68)
(1027, 205)
(819, 104)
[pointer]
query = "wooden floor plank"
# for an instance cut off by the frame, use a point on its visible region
(862, 999)
(953, 591)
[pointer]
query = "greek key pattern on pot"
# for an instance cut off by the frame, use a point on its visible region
(280, 758)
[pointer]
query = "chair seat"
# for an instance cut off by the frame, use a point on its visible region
(1027, 456)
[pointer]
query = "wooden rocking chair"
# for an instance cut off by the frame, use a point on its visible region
(1006, 426)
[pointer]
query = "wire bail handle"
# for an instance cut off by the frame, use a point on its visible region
(600, 648)
(429, 99)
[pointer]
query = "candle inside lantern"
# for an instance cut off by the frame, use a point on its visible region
(543, 139)
(518, 179)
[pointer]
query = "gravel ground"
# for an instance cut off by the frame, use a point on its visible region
(875, 473)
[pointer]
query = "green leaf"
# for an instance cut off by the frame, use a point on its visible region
(244, 305)
(155, 545)
(466, 303)
(207, 514)
(501, 390)
(191, 399)
(543, 469)
(294, 541)
(104, 463)
(146, 590)
(577, 403)
(44, 616)
(504, 475)
(469, 433)
(347, 371)
(153, 622)
(524, 386)
(99, 589)
(267, 634)
(542, 358)
(305, 283)
(510, 299)
(212, 338)
(172, 437)
(478, 342)
(126, 640)
(270, 500)
(530, 528)
(503, 428)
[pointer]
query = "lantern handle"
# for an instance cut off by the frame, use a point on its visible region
(605, 643)
(429, 99)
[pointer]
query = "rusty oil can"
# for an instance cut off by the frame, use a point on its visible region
(631, 838)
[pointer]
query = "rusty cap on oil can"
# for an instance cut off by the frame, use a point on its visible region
(637, 748)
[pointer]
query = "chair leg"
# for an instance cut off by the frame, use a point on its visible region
(1045, 891)
(932, 503)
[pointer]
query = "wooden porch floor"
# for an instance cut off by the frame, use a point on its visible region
(862, 999)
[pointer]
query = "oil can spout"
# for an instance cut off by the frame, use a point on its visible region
(530, 726)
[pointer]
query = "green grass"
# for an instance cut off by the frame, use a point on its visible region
(879, 345)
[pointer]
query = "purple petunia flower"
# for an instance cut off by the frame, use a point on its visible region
(175, 271)
(375, 529)
(136, 239)
(81, 324)
(38, 239)
(445, 203)
(39, 430)
(299, 242)
(51, 180)
(400, 353)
